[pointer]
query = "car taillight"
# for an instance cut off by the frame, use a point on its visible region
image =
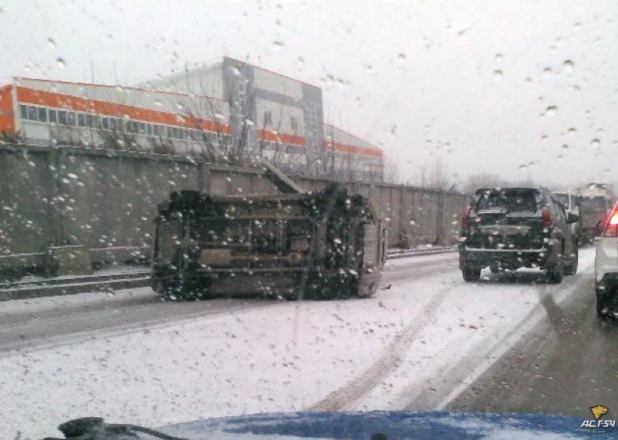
(465, 221)
(611, 227)
(546, 218)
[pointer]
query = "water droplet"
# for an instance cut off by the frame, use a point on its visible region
(51, 42)
(547, 72)
(499, 58)
(278, 44)
(235, 70)
(61, 63)
(401, 59)
(565, 147)
(551, 110)
(249, 122)
(572, 131)
(158, 102)
(595, 143)
(543, 138)
(498, 75)
(301, 61)
(528, 80)
(568, 66)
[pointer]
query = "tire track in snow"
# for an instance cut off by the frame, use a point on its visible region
(439, 391)
(386, 363)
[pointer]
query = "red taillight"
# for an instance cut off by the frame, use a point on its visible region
(546, 218)
(611, 227)
(465, 221)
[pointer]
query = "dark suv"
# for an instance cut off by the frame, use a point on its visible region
(509, 228)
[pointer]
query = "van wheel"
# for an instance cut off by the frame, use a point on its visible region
(471, 274)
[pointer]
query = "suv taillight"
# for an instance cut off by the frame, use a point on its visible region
(546, 218)
(611, 227)
(465, 221)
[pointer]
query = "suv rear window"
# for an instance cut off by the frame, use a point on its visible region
(594, 203)
(512, 200)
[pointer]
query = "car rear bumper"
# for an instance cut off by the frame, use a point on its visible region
(505, 258)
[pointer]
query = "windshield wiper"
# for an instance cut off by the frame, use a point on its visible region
(94, 428)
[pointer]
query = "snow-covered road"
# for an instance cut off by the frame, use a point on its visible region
(132, 358)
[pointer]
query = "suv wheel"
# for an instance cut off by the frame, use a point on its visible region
(471, 274)
(555, 272)
(601, 309)
(571, 268)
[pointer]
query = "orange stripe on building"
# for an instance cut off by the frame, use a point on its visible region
(284, 138)
(102, 108)
(7, 118)
(345, 148)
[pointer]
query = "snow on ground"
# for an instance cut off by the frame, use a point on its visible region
(283, 358)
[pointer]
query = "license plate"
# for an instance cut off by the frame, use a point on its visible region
(504, 230)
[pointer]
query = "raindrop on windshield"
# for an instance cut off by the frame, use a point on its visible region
(499, 58)
(547, 72)
(301, 61)
(572, 131)
(51, 42)
(61, 62)
(595, 143)
(401, 59)
(568, 66)
(278, 44)
(551, 110)
(498, 75)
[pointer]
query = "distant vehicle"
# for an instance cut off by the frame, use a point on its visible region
(323, 244)
(606, 267)
(596, 202)
(510, 228)
(571, 200)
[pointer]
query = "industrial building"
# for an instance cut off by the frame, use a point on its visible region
(224, 109)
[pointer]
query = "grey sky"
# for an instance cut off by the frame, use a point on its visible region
(469, 82)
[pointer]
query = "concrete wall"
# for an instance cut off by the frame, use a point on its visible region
(106, 201)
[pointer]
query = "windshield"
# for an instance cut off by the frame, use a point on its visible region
(221, 208)
(508, 200)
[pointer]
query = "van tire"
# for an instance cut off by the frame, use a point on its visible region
(471, 274)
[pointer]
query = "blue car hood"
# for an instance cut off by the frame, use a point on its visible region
(391, 425)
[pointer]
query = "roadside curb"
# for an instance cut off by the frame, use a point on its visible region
(141, 278)
(75, 285)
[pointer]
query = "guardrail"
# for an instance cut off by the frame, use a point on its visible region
(405, 253)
